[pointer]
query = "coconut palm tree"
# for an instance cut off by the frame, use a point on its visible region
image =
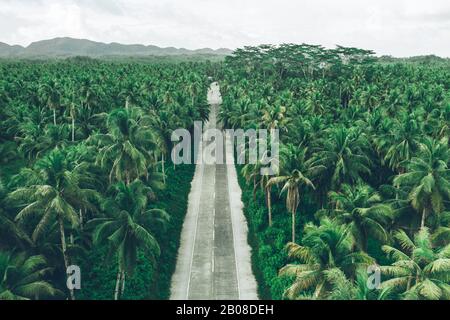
(24, 277)
(419, 271)
(343, 154)
(442, 234)
(344, 288)
(324, 248)
(53, 194)
(128, 227)
(126, 150)
(292, 185)
(163, 132)
(11, 232)
(274, 117)
(131, 94)
(428, 178)
(362, 209)
(50, 94)
(400, 143)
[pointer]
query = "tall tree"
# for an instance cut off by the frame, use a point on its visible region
(419, 270)
(343, 154)
(50, 94)
(126, 150)
(53, 194)
(362, 209)
(25, 277)
(428, 178)
(128, 227)
(324, 248)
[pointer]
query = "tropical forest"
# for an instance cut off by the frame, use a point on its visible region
(358, 209)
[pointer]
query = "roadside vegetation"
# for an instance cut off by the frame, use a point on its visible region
(86, 177)
(363, 181)
(364, 178)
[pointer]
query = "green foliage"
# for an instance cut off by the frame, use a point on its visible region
(25, 277)
(84, 146)
(364, 157)
(148, 281)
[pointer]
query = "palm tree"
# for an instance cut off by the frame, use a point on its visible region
(400, 143)
(252, 174)
(274, 117)
(419, 270)
(428, 178)
(346, 89)
(344, 288)
(53, 194)
(127, 148)
(50, 93)
(23, 277)
(344, 156)
(369, 97)
(362, 209)
(128, 227)
(11, 232)
(324, 248)
(314, 102)
(73, 113)
(131, 94)
(163, 132)
(89, 94)
(292, 185)
(442, 234)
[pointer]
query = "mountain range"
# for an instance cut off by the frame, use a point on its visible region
(70, 47)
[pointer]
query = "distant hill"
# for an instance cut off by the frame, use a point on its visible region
(69, 47)
(427, 59)
(7, 50)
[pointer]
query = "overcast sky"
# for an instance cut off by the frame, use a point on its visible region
(396, 27)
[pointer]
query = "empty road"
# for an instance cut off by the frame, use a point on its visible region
(214, 256)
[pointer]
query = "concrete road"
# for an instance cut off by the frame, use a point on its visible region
(214, 256)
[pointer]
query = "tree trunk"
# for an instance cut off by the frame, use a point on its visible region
(293, 227)
(163, 169)
(127, 103)
(64, 250)
(116, 291)
(81, 220)
(364, 242)
(422, 223)
(269, 206)
(54, 117)
(73, 129)
(123, 283)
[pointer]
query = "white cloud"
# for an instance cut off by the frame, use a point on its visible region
(397, 27)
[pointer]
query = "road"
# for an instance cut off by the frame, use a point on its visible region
(214, 260)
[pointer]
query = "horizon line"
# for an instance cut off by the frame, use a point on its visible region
(210, 48)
